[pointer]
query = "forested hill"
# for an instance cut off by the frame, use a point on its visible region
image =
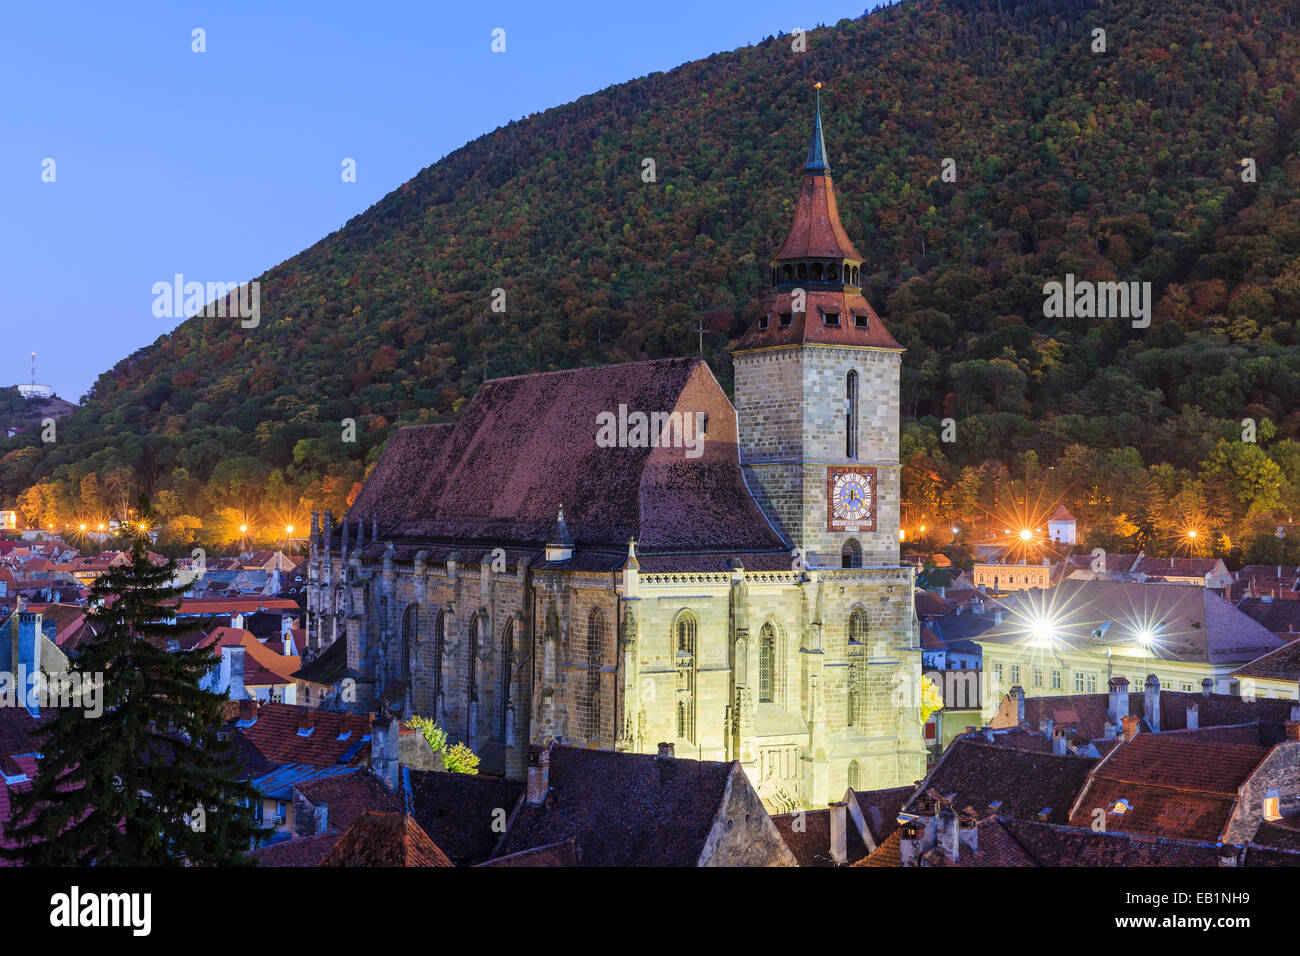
(1123, 164)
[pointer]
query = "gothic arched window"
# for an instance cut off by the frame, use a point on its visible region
(686, 628)
(855, 775)
(851, 554)
(439, 645)
(858, 626)
(595, 646)
(851, 415)
(410, 630)
(474, 626)
(767, 664)
(507, 647)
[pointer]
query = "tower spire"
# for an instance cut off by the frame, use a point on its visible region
(817, 148)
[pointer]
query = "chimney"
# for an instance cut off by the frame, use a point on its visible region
(232, 671)
(1153, 702)
(839, 833)
(1130, 727)
(947, 833)
(968, 831)
(539, 772)
(1207, 686)
(385, 750)
(1060, 742)
(1018, 698)
(1108, 730)
(1193, 717)
(997, 616)
(1045, 726)
(987, 731)
(237, 620)
(1119, 698)
(910, 838)
(667, 750)
(1292, 729)
(320, 815)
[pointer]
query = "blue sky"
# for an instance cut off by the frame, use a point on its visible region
(218, 165)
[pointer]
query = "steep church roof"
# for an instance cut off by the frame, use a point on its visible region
(528, 444)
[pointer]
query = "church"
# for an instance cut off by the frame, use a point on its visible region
(722, 580)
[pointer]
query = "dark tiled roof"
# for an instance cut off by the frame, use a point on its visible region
(400, 473)
(624, 809)
(808, 835)
(349, 796)
(564, 853)
(1278, 617)
(1281, 664)
(526, 445)
(460, 812)
(385, 839)
(994, 846)
(880, 809)
(307, 851)
(1051, 845)
(1015, 783)
(1283, 834)
(329, 668)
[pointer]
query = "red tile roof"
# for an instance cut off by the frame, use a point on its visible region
(564, 853)
(304, 851)
(348, 796)
(276, 735)
(385, 839)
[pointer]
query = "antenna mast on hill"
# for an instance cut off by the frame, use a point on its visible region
(33, 368)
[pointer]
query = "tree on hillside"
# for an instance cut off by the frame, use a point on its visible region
(137, 776)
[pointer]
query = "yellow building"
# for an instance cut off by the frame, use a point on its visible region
(1073, 638)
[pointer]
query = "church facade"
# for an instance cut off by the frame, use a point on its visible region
(618, 558)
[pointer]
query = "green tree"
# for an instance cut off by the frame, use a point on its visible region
(142, 779)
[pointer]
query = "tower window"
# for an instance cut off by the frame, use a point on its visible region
(833, 272)
(851, 554)
(801, 270)
(831, 318)
(860, 320)
(767, 664)
(785, 319)
(816, 272)
(786, 273)
(851, 415)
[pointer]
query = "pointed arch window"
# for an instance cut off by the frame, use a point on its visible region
(855, 775)
(507, 647)
(767, 664)
(851, 415)
(410, 628)
(475, 623)
(858, 626)
(687, 629)
(439, 644)
(595, 646)
(851, 554)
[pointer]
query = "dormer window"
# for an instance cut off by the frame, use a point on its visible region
(1120, 806)
(785, 319)
(831, 318)
(860, 321)
(763, 321)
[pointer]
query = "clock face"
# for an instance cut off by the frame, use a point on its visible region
(851, 499)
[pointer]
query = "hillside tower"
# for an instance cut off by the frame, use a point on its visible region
(817, 386)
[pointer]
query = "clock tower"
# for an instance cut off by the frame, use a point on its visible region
(817, 385)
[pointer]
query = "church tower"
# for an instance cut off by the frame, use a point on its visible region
(817, 392)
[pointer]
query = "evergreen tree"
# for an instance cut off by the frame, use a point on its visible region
(147, 782)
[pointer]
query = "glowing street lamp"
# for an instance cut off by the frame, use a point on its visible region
(1042, 631)
(288, 529)
(243, 529)
(1026, 534)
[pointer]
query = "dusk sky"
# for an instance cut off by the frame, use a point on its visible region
(219, 165)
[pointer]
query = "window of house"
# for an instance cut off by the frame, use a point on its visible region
(1078, 682)
(831, 318)
(1090, 683)
(997, 672)
(1272, 806)
(1187, 687)
(280, 812)
(1038, 676)
(1056, 679)
(860, 320)
(785, 319)
(1015, 673)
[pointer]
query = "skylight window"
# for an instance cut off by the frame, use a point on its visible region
(344, 736)
(1120, 806)
(305, 731)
